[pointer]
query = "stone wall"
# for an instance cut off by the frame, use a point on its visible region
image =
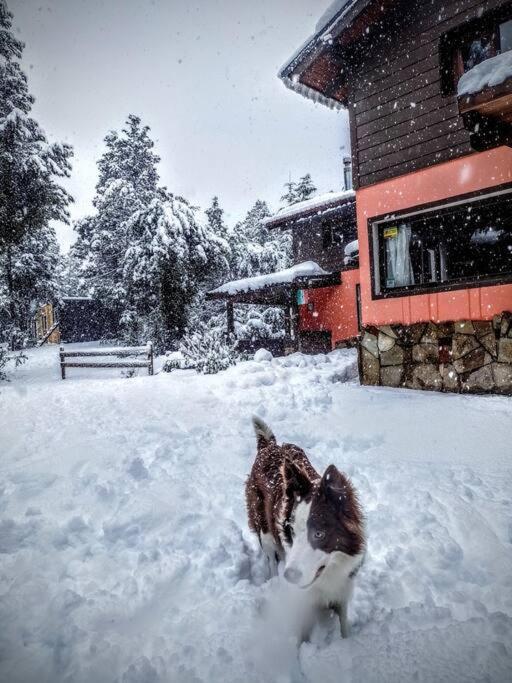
(463, 356)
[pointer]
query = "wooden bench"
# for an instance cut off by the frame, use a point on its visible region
(118, 351)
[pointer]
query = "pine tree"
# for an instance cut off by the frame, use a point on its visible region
(256, 250)
(290, 196)
(128, 183)
(305, 188)
(30, 195)
(215, 218)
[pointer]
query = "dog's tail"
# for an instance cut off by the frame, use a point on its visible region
(264, 435)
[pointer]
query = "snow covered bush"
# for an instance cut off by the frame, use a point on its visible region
(175, 360)
(209, 350)
(6, 358)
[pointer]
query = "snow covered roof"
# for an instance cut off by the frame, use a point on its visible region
(338, 13)
(318, 205)
(281, 277)
(487, 74)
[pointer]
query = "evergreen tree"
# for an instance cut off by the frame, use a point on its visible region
(144, 254)
(127, 184)
(256, 250)
(305, 188)
(215, 218)
(290, 196)
(30, 195)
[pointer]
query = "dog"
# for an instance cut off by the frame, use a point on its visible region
(311, 523)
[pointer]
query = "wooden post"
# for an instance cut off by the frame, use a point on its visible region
(231, 318)
(62, 361)
(150, 368)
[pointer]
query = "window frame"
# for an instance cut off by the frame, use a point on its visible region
(377, 247)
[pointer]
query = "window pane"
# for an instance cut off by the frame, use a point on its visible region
(476, 51)
(471, 242)
(506, 36)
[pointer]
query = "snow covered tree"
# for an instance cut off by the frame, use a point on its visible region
(290, 196)
(215, 218)
(256, 250)
(160, 265)
(298, 192)
(305, 188)
(30, 194)
(127, 184)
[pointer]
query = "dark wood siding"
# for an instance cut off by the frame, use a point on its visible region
(400, 120)
(308, 244)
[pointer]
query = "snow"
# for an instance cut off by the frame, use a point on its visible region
(487, 74)
(352, 248)
(334, 8)
(263, 356)
(125, 552)
(322, 201)
(288, 275)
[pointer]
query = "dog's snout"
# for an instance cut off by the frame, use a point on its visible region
(292, 575)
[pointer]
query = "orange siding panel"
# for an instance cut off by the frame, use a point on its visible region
(472, 173)
(334, 309)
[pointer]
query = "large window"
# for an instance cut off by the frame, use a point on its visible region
(457, 244)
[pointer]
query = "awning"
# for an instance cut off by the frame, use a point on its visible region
(276, 289)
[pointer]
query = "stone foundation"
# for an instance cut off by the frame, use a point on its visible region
(463, 356)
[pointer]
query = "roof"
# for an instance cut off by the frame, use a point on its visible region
(275, 287)
(310, 209)
(338, 18)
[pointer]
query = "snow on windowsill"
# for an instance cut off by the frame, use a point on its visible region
(487, 74)
(305, 269)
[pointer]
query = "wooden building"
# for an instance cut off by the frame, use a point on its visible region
(319, 293)
(428, 89)
(73, 319)
(46, 326)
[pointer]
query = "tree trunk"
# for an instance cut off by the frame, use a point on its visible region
(10, 290)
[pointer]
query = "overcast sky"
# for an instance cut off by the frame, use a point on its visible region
(201, 74)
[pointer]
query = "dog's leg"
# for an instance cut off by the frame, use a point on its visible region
(341, 609)
(269, 547)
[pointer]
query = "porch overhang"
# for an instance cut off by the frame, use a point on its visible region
(261, 290)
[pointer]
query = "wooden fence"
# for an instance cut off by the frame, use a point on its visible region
(119, 352)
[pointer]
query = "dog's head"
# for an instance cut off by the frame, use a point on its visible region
(325, 524)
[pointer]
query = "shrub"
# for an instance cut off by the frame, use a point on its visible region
(209, 350)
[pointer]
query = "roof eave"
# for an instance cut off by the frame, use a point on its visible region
(288, 222)
(291, 71)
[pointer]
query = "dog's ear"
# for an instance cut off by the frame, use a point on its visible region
(298, 483)
(334, 485)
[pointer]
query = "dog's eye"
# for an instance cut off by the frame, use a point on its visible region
(319, 535)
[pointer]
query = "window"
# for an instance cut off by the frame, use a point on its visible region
(474, 42)
(461, 244)
(332, 235)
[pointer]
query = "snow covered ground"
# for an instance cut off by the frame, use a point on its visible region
(125, 554)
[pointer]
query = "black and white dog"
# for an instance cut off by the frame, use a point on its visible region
(311, 523)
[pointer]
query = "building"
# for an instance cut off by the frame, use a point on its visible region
(319, 293)
(45, 325)
(73, 319)
(428, 89)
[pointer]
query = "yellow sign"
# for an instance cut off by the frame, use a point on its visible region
(390, 232)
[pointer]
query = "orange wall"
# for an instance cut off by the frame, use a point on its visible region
(450, 179)
(335, 308)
